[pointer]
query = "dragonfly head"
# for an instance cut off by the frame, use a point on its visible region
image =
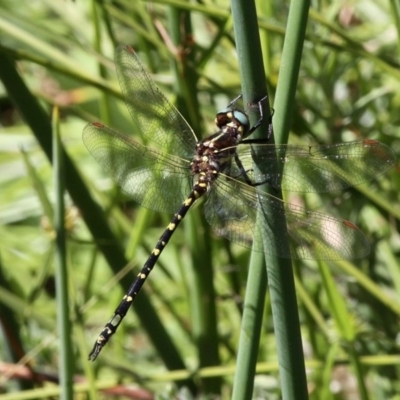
(233, 118)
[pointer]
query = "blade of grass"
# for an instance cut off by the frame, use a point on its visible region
(63, 315)
(13, 344)
(344, 324)
(104, 100)
(326, 377)
(254, 88)
(281, 282)
(280, 276)
(368, 284)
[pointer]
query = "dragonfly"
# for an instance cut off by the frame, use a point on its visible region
(178, 169)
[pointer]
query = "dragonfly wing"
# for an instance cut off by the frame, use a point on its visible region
(233, 207)
(156, 180)
(302, 168)
(322, 237)
(154, 116)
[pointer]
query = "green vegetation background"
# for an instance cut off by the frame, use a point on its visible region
(348, 89)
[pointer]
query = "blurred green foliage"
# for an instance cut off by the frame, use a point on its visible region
(348, 89)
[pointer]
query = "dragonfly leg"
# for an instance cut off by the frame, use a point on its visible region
(243, 173)
(258, 123)
(235, 100)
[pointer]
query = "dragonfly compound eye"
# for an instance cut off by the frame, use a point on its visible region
(229, 116)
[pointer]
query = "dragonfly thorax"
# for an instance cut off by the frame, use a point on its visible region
(214, 153)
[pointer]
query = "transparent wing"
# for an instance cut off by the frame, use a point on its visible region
(154, 116)
(156, 180)
(302, 168)
(232, 208)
